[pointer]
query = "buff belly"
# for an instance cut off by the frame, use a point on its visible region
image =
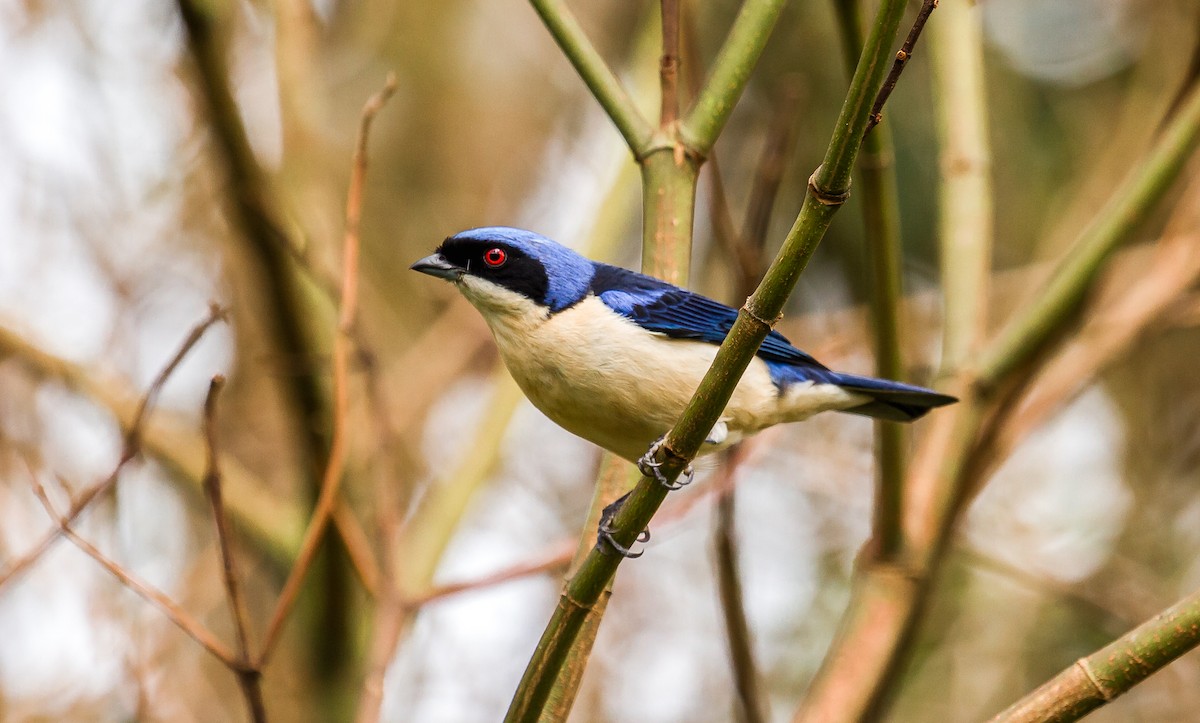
(606, 379)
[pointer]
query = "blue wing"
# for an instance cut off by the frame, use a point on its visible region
(660, 307)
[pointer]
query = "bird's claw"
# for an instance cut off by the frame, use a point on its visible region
(650, 467)
(684, 479)
(605, 542)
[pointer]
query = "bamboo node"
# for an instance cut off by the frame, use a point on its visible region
(760, 320)
(826, 197)
(1082, 664)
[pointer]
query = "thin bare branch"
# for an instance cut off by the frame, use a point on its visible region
(182, 619)
(772, 163)
(331, 480)
(596, 74)
(668, 67)
(293, 332)
(1114, 325)
(902, 57)
(390, 615)
(133, 440)
(741, 648)
(132, 446)
(720, 215)
(390, 499)
(721, 219)
(554, 558)
(249, 676)
(358, 547)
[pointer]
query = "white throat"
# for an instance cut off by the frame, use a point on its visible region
(506, 312)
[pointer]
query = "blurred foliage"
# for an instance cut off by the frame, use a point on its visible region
(116, 235)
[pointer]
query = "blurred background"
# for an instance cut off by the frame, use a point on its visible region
(120, 221)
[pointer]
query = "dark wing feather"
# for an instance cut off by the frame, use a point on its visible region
(660, 307)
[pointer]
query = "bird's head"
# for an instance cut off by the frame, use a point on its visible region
(502, 270)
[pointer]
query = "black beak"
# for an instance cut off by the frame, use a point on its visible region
(437, 265)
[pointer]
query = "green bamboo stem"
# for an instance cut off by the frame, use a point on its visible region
(881, 223)
(423, 542)
(1031, 332)
(881, 220)
(615, 478)
(573, 41)
(862, 668)
(965, 198)
(833, 176)
(864, 663)
(669, 196)
(668, 203)
(1098, 679)
(585, 588)
(753, 323)
(612, 481)
(730, 73)
(748, 253)
(666, 252)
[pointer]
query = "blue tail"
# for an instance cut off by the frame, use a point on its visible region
(894, 401)
(890, 400)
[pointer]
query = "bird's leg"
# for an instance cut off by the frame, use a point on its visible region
(649, 467)
(605, 530)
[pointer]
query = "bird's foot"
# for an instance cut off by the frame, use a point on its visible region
(684, 479)
(652, 468)
(604, 532)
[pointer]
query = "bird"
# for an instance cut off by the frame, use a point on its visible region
(614, 356)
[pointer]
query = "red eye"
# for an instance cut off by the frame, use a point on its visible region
(495, 258)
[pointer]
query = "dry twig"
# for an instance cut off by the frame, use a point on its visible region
(902, 57)
(729, 584)
(249, 676)
(668, 67)
(131, 448)
(176, 614)
(331, 480)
